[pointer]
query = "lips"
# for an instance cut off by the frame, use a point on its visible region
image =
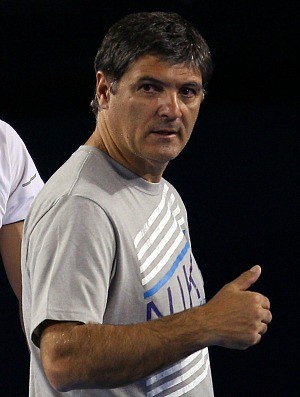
(165, 131)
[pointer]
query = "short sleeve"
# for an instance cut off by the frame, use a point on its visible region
(70, 260)
(20, 181)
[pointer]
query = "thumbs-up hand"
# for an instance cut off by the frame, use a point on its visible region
(237, 318)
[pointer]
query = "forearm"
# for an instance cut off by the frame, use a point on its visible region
(107, 356)
(77, 356)
(10, 248)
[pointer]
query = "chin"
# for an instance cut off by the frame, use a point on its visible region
(161, 155)
(164, 157)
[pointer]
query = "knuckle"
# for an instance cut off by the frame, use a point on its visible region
(257, 298)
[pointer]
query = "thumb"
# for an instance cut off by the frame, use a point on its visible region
(246, 279)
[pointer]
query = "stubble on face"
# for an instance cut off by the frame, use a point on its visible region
(144, 125)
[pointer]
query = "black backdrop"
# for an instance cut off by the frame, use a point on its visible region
(238, 176)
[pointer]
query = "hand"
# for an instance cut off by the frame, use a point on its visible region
(238, 318)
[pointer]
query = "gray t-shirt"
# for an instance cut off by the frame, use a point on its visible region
(102, 245)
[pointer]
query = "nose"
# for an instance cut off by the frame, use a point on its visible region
(169, 105)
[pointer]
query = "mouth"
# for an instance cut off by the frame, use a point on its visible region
(165, 132)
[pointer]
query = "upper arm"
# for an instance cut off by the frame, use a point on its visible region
(69, 262)
(10, 248)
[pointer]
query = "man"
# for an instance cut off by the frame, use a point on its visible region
(113, 299)
(19, 184)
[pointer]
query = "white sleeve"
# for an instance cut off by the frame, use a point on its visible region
(19, 179)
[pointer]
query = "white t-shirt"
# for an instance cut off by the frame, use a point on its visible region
(19, 179)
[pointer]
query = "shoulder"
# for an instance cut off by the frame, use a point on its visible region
(20, 180)
(9, 135)
(11, 153)
(12, 147)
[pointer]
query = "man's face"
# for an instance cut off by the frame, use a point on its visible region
(150, 117)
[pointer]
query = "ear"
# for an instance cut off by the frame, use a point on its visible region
(102, 90)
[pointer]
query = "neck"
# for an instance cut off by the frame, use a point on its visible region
(148, 170)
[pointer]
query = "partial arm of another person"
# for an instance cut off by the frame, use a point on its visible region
(85, 356)
(10, 248)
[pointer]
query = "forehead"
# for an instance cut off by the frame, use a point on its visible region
(150, 66)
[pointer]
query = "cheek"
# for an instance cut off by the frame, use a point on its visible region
(139, 115)
(132, 121)
(192, 115)
(141, 107)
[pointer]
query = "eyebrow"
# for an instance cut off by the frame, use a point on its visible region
(150, 79)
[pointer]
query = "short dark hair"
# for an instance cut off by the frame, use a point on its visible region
(166, 35)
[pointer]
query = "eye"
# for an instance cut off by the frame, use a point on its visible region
(150, 88)
(188, 92)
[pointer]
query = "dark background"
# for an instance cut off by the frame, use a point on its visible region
(238, 176)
